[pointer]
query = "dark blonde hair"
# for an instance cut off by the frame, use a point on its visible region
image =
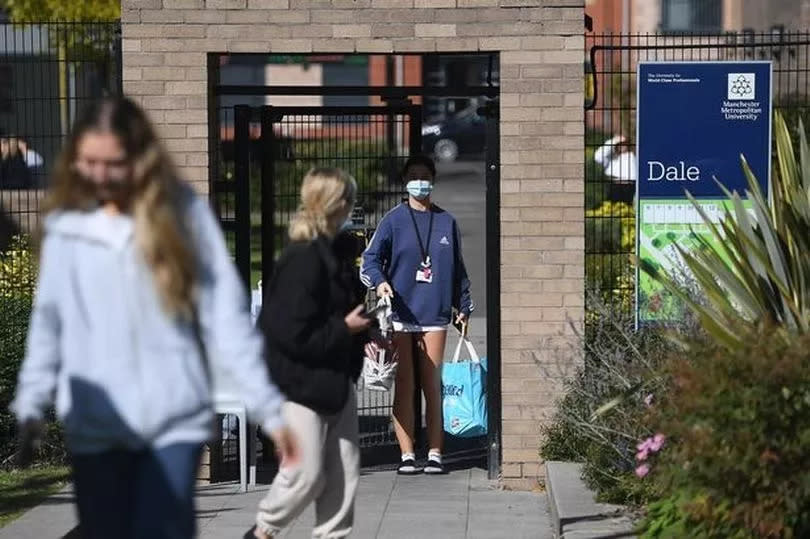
(324, 193)
(158, 196)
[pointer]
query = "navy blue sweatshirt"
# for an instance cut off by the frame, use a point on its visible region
(394, 256)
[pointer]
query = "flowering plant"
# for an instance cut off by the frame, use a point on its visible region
(646, 448)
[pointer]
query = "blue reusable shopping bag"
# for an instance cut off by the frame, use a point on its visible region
(464, 393)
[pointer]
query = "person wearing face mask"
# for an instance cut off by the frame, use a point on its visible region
(415, 258)
(316, 330)
(136, 294)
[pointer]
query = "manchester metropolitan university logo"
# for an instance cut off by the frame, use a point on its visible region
(741, 86)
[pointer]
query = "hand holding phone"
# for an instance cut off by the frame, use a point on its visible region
(356, 321)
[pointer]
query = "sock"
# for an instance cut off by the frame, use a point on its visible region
(436, 456)
(406, 456)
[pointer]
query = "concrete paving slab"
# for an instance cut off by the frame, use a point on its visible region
(52, 519)
(574, 512)
(523, 514)
(460, 505)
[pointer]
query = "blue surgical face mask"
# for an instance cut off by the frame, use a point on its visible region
(419, 189)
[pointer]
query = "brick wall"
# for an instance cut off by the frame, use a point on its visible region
(541, 53)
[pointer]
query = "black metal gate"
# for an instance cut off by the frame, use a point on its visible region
(262, 155)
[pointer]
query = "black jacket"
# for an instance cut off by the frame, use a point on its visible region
(15, 174)
(310, 353)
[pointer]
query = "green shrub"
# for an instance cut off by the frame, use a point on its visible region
(597, 184)
(617, 361)
(18, 271)
(609, 244)
(16, 312)
(612, 227)
(737, 460)
(669, 518)
(17, 275)
(793, 108)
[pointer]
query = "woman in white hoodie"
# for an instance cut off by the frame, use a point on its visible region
(136, 293)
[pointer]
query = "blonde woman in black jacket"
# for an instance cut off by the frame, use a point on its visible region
(315, 332)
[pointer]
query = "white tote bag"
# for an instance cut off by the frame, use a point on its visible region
(380, 362)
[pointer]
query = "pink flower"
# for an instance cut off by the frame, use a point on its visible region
(648, 400)
(645, 445)
(657, 442)
(642, 455)
(642, 470)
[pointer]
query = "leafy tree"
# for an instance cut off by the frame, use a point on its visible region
(62, 10)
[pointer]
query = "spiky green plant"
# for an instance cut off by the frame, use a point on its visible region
(759, 270)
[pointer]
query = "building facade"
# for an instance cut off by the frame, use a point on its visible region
(540, 46)
(707, 16)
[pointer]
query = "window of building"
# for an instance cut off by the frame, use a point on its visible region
(692, 15)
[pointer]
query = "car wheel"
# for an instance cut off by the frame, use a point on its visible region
(445, 150)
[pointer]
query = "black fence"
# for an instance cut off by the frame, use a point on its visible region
(267, 151)
(48, 72)
(610, 131)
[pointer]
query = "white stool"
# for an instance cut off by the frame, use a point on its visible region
(227, 404)
(227, 401)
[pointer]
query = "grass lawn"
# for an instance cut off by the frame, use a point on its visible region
(21, 490)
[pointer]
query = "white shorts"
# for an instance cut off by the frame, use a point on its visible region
(413, 328)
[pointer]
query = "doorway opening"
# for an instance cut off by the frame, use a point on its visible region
(273, 117)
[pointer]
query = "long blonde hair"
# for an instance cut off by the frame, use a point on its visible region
(159, 197)
(325, 192)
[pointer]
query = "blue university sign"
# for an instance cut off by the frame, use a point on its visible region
(694, 121)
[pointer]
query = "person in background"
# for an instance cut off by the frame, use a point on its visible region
(315, 330)
(415, 258)
(16, 162)
(136, 293)
(619, 165)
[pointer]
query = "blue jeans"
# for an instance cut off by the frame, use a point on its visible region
(137, 494)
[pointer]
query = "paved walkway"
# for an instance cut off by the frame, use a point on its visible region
(461, 505)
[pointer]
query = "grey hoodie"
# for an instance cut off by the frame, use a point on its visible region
(126, 374)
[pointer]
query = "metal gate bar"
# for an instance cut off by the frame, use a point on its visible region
(242, 191)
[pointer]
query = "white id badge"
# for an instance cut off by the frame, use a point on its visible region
(424, 275)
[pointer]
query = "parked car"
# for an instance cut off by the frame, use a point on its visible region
(461, 134)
